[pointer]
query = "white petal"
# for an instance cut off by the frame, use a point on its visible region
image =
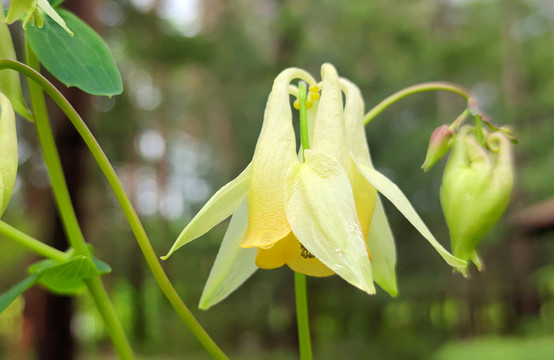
(233, 264)
(395, 195)
(320, 209)
(218, 208)
(329, 134)
(354, 122)
(381, 244)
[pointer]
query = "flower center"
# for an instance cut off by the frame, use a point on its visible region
(305, 253)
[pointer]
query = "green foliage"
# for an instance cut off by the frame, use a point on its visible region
(9, 296)
(9, 80)
(68, 277)
(499, 349)
(83, 60)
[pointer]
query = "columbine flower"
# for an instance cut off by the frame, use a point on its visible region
(31, 11)
(475, 189)
(8, 152)
(319, 216)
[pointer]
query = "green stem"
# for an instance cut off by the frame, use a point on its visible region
(428, 86)
(31, 243)
(300, 279)
(303, 113)
(460, 119)
(138, 230)
(67, 213)
(479, 130)
(302, 316)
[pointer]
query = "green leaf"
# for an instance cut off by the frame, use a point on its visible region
(68, 277)
(233, 264)
(83, 60)
(102, 267)
(9, 296)
(9, 79)
(55, 3)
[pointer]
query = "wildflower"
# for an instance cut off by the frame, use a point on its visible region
(320, 216)
(32, 11)
(441, 141)
(8, 152)
(475, 189)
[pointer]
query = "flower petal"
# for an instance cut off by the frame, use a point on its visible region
(395, 195)
(289, 251)
(381, 243)
(8, 152)
(224, 202)
(233, 264)
(354, 122)
(276, 255)
(320, 209)
(329, 136)
(364, 192)
(300, 260)
(275, 153)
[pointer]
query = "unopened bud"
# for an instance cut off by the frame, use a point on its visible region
(441, 141)
(8, 152)
(475, 189)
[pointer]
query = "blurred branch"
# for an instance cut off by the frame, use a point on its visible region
(536, 217)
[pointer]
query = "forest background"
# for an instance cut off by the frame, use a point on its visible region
(196, 76)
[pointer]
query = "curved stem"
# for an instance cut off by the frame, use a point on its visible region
(67, 213)
(428, 86)
(31, 243)
(300, 279)
(138, 230)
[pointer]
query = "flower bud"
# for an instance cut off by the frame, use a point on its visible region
(475, 189)
(439, 144)
(8, 152)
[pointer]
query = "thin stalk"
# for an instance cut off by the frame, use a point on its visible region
(31, 243)
(460, 119)
(428, 86)
(69, 218)
(303, 114)
(301, 294)
(302, 316)
(136, 226)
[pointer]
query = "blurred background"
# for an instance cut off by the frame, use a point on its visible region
(196, 76)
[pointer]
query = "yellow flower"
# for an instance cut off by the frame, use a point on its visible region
(8, 152)
(320, 216)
